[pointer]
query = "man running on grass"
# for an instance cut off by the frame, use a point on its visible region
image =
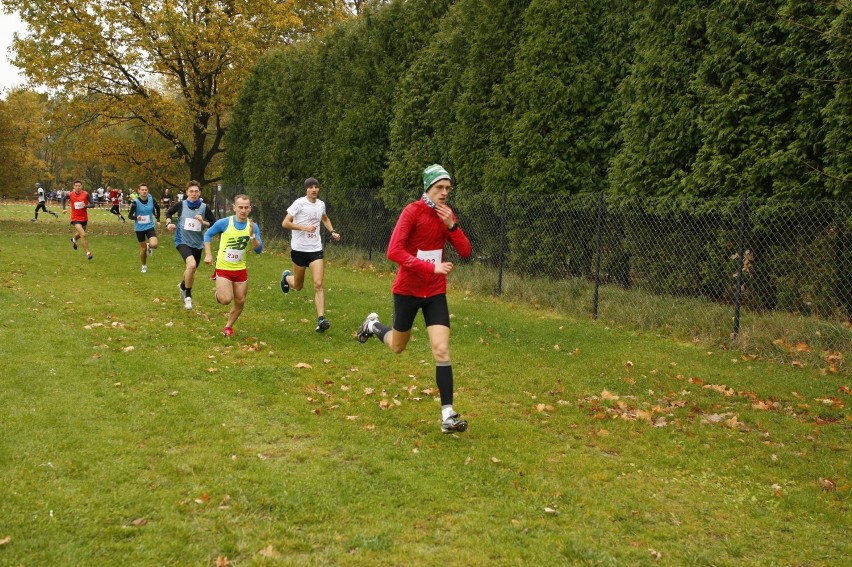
(238, 231)
(303, 219)
(80, 206)
(417, 245)
(193, 217)
(143, 211)
(42, 203)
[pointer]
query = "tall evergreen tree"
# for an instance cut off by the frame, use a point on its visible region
(659, 128)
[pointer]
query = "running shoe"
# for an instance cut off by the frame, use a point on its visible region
(144, 269)
(322, 325)
(73, 244)
(364, 332)
(228, 331)
(453, 424)
(149, 251)
(182, 291)
(89, 255)
(33, 220)
(285, 287)
(187, 303)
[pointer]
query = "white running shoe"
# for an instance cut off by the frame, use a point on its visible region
(364, 332)
(453, 424)
(144, 269)
(187, 303)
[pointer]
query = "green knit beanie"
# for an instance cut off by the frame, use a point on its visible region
(433, 174)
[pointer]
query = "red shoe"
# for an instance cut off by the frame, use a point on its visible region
(228, 331)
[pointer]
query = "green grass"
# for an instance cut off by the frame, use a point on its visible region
(589, 444)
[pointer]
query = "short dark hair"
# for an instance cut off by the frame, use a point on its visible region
(311, 181)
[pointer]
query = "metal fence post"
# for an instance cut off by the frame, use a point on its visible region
(502, 243)
(370, 235)
(598, 256)
(740, 263)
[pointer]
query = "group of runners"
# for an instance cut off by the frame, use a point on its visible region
(417, 245)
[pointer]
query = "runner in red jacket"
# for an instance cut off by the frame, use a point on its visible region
(417, 245)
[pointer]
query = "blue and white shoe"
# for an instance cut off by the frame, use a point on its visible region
(285, 287)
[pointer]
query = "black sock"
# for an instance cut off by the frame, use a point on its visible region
(188, 291)
(444, 379)
(381, 330)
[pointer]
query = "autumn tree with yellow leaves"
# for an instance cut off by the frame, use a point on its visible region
(172, 68)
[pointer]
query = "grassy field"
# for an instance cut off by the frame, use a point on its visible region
(134, 433)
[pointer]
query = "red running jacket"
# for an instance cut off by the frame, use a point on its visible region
(420, 229)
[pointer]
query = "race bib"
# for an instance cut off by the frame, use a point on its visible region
(431, 256)
(143, 218)
(234, 256)
(192, 225)
(79, 205)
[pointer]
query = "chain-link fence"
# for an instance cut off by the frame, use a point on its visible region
(760, 255)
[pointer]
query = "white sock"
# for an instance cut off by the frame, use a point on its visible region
(446, 411)
(371, 326)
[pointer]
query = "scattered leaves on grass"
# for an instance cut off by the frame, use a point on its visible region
(607, 395)
(655, 554)
(721, 388)
(541, 408)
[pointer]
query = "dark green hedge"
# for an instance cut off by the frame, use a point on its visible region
(656, 98)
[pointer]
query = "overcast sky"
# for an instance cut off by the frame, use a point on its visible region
(9, 74)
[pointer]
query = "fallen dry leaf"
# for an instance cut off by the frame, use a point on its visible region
(129, 349)
(303, 365)
(268, 551)
(139, 522)
(550, 510)
(222, 561)
(5, 540)
(495, 460)
(827, 484)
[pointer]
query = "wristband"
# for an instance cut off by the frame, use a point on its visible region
(455, 226)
